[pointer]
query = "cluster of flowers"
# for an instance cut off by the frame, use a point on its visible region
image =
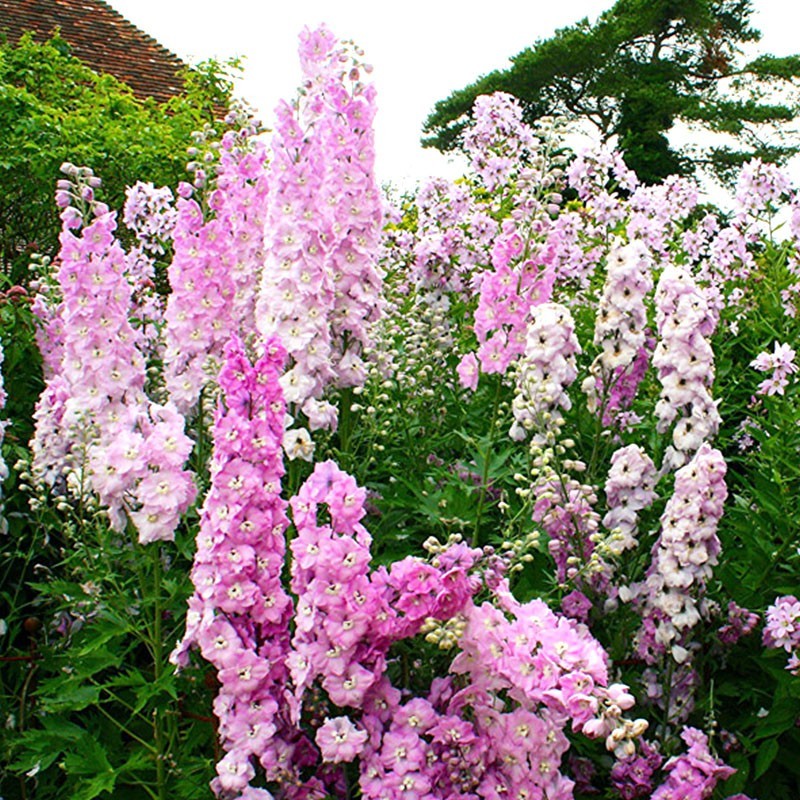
(522, 273)
(214, 271)
(492, 245)
(508, 296)
(783, 629)
(564, 507)
(634, 777)
(453, 232)
(289, 250)
(95, 426)
(239, 614)
(781, 363)
(685, 363)
(544, 373)
(498, 143)
(760, 186)
(593, 171)
(320, 284)
(740, 622)
(150, 214)
(670, 598)
(629, 489)
(496, 726)
(620, 329)
(528, 672)
(694, 774)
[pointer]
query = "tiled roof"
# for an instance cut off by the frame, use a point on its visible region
(102, 39)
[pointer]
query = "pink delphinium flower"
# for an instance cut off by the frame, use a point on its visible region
(150, 214)
(96, 397)
(620, 330)
(498, 138)
(508, 297)
(683, 557)
(340, 740)
(633, 777)
(239, 613)
(760, 186)
(657, 212)
(781, 363)
(215, 267)
(783, 629)
(468, 372)
(320, 282)
(545, 372)
(695, 774)
(685, 364)
(629, 489)
(740, 622)
(348, 617)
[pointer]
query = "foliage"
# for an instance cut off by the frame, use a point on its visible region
(55, 109)
(640, 69)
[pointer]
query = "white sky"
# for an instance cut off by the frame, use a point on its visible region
(421, 50)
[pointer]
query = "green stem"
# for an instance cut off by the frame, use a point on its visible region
(345, 421)
(598, 428)
(486, 464)
(123, 728)
(667, 695)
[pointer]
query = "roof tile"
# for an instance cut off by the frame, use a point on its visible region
(102, 39)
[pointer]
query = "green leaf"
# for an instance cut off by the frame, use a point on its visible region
(99, 784)
(91, 759)
(71, 699)
(92, 762)
(782, 717)
(767, 753)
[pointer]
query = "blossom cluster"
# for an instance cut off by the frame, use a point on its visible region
(214, 271)
(783, 629)
(518, 284)
(239, 613)
(348, 617)
(781, 363)
(422, 678)
(150, 214)
(760, 186)
(320, 283)
(545, 372)
(629, 489)
(496, 726)
(453, 234)
(95, 426)
(634, 777)
(620, 330)
(498, 143)
(685, 363)
(694, 774)
(739, 622)
(683, 557)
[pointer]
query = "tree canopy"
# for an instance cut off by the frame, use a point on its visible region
(54, 109)
(643, 66)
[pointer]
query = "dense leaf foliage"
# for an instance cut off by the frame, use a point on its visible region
(53, 109)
